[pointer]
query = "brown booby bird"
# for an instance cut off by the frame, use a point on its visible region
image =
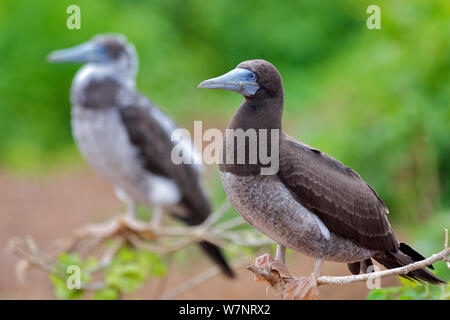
(127, 139)
(313, 204)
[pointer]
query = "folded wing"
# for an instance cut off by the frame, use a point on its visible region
(345, 203)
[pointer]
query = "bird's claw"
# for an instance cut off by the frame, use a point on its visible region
(292, 288)
(303, 288)
(116, 226)
(270, 264)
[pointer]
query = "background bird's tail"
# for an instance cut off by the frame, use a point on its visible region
(211, 250)
(403, 257)
(217, 256)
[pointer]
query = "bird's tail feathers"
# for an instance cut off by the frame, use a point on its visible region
(406, 255)
(361, 267)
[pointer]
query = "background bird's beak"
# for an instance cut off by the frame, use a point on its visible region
(239, 80)
(86, 52)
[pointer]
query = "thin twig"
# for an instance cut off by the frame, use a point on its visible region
(30, 253)
(446, 247)
(196, 281)
(191, 283)
(162, 282)
(236, 238)
(216, 215)
(384, 273)
(279, 282)
(107, 257)
(229, 224)
(273, 277)
(145, 236)
(93, 286)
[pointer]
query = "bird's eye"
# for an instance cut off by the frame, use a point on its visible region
(252, 76)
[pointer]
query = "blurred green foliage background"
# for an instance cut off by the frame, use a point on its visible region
(378, 100)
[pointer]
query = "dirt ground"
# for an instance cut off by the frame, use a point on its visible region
(52, 207)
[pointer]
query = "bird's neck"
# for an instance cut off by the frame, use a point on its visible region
(123, 70)
(98, 86)
(257, 124)
(258, 114)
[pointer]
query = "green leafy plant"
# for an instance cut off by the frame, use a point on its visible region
(129, 269)
(60, 275)
(411, 291)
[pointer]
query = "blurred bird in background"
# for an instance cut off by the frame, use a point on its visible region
(127, 139)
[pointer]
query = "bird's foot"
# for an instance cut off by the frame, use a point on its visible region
(118, 226)
(288, 286)
(303, 288)
(266, 262)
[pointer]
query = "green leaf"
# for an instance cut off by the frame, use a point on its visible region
(90, 262)
(61, 273)
(106, 294)
(126, 254)
(125, 277)
(151, 264)
(446, 294)
(143, 214)
(407, 283)
(377, 294)
(61, 291)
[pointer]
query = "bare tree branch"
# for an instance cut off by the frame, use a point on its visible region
(162, 240)
(280, 281)
(196, 281)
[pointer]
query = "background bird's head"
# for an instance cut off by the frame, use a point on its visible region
(105, 50)
(252, 78)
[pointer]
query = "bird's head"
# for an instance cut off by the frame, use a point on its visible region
(251, 78)
(105, 49)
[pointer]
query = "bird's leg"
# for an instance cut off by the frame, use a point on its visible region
(131, 210)
(305, 288)
(280, 261)
(119, 225)
(156, 216)
(281, 253)
(318, 267)
(129, 220)
(143, 229)
(278, 264)
(129, 202)
(314, 287)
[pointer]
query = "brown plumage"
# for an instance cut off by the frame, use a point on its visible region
(349, 208)
(347, 205)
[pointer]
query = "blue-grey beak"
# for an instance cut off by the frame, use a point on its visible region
(86, 52)
(239, 80)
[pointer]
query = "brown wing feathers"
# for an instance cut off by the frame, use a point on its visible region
(155, 148)
(344, 202)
